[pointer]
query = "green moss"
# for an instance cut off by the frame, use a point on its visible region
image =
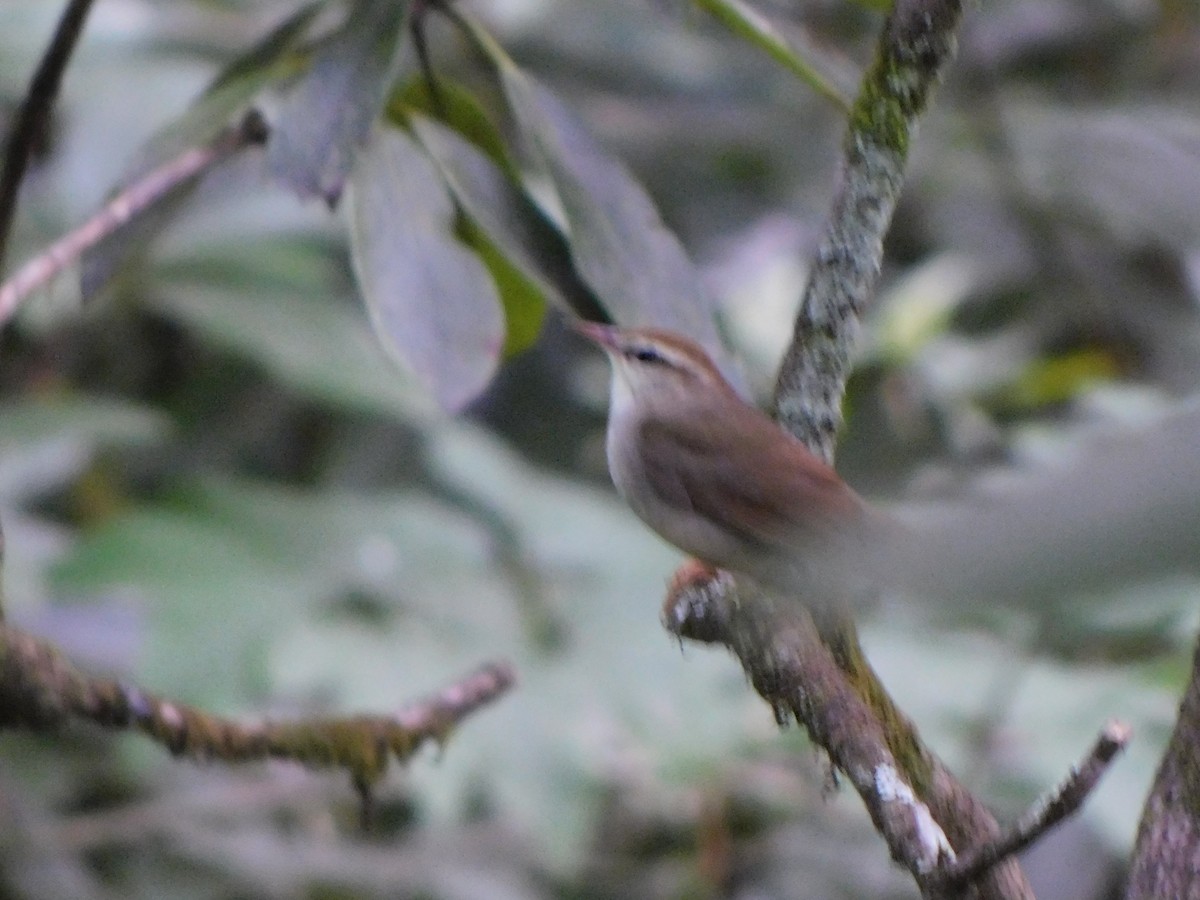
(881, 114)
(911, 757)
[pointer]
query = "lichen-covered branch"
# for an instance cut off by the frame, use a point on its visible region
(40, 689)
(821, 676)
(796, 673)
(917, 805)
(917, 43)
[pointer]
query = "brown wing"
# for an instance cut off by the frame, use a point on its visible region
(804, 499)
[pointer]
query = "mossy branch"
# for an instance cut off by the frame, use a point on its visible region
(820, 675)
(40, 689)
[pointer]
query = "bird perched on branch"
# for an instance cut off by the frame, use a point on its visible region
(719, 479)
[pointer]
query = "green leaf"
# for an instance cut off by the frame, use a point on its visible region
(328, 115)
(919, 307)
(1056, 379)
(516, 227)
(746, 22)
(457, 109)
(635, 266)
(431, 300)
(524, 305)
(267, 60)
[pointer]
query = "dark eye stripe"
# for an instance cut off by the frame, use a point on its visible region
(645, 354)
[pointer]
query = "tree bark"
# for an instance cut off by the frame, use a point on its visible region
(1166, 857)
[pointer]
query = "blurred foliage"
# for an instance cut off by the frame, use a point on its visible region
(215, 483)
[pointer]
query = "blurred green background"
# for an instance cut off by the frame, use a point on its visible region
(214, 483)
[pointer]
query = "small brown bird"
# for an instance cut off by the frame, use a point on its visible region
(719, 479)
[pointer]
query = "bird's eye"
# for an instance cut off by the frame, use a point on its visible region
(647, 355)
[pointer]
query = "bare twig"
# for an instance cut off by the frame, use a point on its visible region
(1064, 801)
(30, 126)
(437, 714)
(136, 198)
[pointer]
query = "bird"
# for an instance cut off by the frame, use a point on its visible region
(719, 479)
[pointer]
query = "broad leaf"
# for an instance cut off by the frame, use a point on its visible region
(621, 248)
(271, 60)
(524, 304)
(457, 109)
(329, 113)
(635, 265)
(431, 300)
(511, 221)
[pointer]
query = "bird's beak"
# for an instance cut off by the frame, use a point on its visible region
(603, 335)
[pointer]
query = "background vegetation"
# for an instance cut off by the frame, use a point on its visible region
(215, 484)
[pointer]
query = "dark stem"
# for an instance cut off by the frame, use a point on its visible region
(123, 207)
(34, 116)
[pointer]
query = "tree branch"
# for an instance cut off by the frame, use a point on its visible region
(40, 689)
(1063, 801)
(139, 196)
(796, 673)
(916, 803)
(917, 43)
(1166, 855)
(34, 116)
(822, 676)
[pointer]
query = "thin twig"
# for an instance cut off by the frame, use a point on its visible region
(131, 201)
(34, 116)
(1064, 801)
